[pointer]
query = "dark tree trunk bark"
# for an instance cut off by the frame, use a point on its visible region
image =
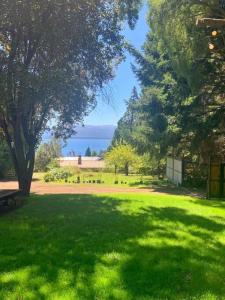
(158, 170)
(25, 174)
(115, 170)
(127, 169)
(23, 157)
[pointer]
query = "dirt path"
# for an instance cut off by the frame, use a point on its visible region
(42, 188)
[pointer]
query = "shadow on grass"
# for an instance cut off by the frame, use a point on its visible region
(163, 186)
(99, 247)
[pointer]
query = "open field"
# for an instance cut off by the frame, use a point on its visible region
(113, 247)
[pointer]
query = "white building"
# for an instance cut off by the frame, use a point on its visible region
(82, 162)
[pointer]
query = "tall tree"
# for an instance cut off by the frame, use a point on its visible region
(54, 56)
(181, 108)
(88, 152)
(124, 130)
(201, 115)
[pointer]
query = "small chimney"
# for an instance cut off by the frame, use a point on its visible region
(79, 160)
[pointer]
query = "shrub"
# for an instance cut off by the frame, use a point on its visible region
(46, 153)
(73, 170)
(57, 174)
(48, 177)
(53, 164)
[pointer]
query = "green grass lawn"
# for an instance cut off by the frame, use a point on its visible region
(113, 247)
(108, 179)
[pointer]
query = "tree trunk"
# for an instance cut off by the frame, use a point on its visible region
(23, 157)
(115, 170)
(25, 177)
(127, 169)
(158, 170)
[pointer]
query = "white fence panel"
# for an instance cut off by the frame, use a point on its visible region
(174, 170)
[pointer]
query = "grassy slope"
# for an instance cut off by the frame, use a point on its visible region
(115, 247)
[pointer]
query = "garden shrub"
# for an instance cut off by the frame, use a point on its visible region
(58, 174)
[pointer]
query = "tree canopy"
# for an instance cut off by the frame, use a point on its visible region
(122, 156)
(180, 110)
(54, 57)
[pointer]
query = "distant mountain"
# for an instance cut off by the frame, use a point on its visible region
(90, 132)
(95, 132)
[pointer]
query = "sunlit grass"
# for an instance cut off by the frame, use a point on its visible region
(109, 179)
(113, 247)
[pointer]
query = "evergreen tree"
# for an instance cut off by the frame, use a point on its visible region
(126, 124)
(88, 152)
(94, 153)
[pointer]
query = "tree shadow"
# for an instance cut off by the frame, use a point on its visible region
(163, 186)
(219, 203)
(98, 247)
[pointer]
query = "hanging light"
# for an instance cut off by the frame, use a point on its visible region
(211, 46)
(214, 33)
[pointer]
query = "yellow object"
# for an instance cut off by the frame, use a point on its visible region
(8, 48)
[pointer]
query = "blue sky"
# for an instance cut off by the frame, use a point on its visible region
(120, 88)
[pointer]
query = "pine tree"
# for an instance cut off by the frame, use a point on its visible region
(88, 152)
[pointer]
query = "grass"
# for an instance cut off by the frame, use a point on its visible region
(108, 179)
(136, 247)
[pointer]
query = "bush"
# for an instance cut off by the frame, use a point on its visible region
(48, 177)
(57, 174)
(47, 154)
(54, 164)
(73, 170)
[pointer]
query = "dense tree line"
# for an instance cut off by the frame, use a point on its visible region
(180, 109)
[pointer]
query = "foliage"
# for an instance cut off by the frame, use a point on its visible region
(88, 152)
(148, 165)
(123, 133)
(201, 113)
(54, 163)
(57, 174)
(180, 110)
(5, 158)
(94, 153)
(136, 247)
(121, 157)
(54, 57)
(46, 155)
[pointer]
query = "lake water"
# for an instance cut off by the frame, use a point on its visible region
(79, 145)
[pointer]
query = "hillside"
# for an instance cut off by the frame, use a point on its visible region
(91, 132)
